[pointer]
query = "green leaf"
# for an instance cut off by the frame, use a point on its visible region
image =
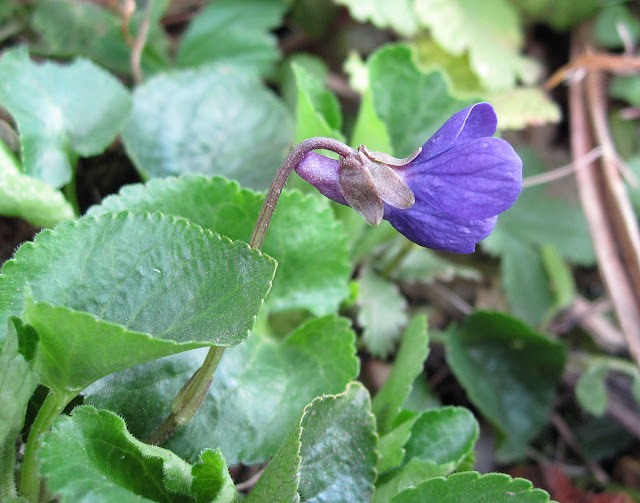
(209, 121)
(391, 446)
(369, 130)
(27, 197)
(62, 111)
(383, 313)
(509, 373)
(211, 480)
(412, 104)
(257, 394)
(304, 237)
(398, 15)
(613, 22)
(69, 28)
(560, 14)
(591, 389)
(524, 106)
(78, 349)
(233, 33)
(626, 87)
(17, 383)
(470, 487)
(489, 32)
(149, 273)
(90, 456)
(409, 475)
(408, 364)
(337, 453)
(317, 109)
(561, 280)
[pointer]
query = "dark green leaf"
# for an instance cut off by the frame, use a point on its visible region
(233, 33)
(209, 121)
(257, 393)
(470, 487)
(412, 104)
(313, 263)
(509, 372)
(62, 111)
(407, 366)
(149, 273)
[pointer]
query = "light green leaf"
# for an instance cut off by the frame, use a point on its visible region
(560, 14)
(149, 273)
(509, 373)
(471, 487)
(369, 130)
(524, 106)
(489, 32)
(614, 22)
(69, 28)
(233, 33)
(408, 364)
(27, 197)
(317, 109)
(391, 446)
(626, 87)
(398, 15)
(211, 480)
(591, 389)
(209, 121)
(62, 111)
(257, 394)
(412, 104)
(383, 313)
(17, 383)
(409, 475)
(90, 456)
(304, 237)
(561, 280)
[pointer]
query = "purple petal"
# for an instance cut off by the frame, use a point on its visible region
(474, 180)
(437, 230)
(476, 121)
(324, 174)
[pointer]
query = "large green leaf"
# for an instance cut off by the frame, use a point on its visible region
(149, 273)
(257, 394)
(90, 456)
(489, 32)
(509, 373)
(407, 365)
(69, 28)
(17, 383)
(28, 197)
(304, 237)
(209, 121)
(382, 313)
(471, 487)
(329, 456)
(412, 104)
(398, 15)
(62, 111)
(233, 33)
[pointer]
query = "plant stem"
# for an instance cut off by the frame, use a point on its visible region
(399, 257)
(52, 407)
(195, 389)
(189, 398)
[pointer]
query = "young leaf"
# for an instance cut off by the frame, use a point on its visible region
(209, 121)
(509, 372)
(491, 34)
(391, 446)
(470, 487)
(412, 104)
(382, 313)
(304, 237)
(317, 109)
(149, 273)
(337, 453)
(211, 480)
(235, 34)
(62, 111)
(407, 365)
(90, 456)
(17, 383)
(524, 106)
(27, 197)
(259, 390)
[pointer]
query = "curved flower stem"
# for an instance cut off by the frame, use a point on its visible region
(52, 407)
(193, 393)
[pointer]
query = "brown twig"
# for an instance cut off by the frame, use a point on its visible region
(593, 62)
(139, 43)
(604, 199)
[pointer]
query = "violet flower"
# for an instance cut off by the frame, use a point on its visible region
(446, 196)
